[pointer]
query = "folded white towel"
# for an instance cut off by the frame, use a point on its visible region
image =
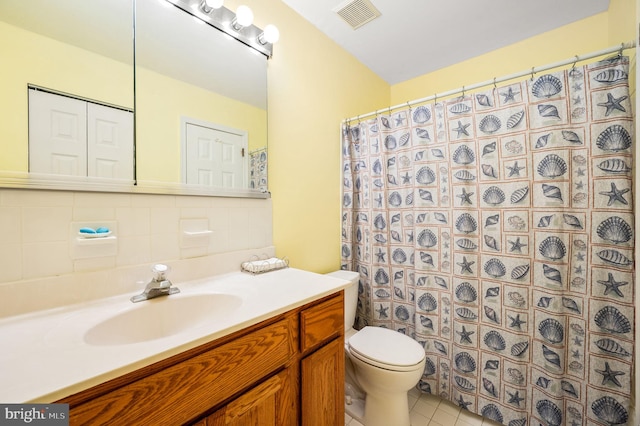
(264, 265)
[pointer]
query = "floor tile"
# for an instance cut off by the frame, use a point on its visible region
(412, 402)
(430, 399)
(449, 407)
(424, 408)
(418, 419)
(430, 410)
(444, 417)
(470, 418)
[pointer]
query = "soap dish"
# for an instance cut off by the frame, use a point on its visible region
(260, 266)
(96, 235)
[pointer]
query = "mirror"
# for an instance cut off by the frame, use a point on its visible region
(84, 49)
(201, 101)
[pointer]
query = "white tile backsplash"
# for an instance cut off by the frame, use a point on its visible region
(84, 214)
(10, 225)
(45, 224)
(46, 259)
(35, 198)
(164, 220)
(102, 199)
(36, 247)
(133, 221)
(10, 261)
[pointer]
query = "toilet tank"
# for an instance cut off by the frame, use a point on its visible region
(350, 296)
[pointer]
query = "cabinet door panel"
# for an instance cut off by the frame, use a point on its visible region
(323, 386)
(186, 390)
(320, 323)
(57, 134)
(255, 407)
(109, 142)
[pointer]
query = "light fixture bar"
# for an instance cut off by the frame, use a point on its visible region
(221, 19)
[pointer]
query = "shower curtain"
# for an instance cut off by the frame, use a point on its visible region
(497, 230)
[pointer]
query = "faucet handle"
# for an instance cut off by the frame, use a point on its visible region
(159, 271)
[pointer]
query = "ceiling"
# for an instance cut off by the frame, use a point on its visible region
(415, 37)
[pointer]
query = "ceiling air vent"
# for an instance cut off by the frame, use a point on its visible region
(357, 12)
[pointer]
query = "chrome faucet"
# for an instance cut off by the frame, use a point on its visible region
(158, 286)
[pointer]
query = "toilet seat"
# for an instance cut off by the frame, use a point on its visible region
(386, 349)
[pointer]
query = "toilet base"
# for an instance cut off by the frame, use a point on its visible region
(387, 410)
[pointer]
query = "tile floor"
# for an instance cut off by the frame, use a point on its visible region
(429, 410)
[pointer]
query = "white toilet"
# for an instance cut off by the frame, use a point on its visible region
(381, 366)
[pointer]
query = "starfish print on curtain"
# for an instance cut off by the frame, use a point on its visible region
(497, 230)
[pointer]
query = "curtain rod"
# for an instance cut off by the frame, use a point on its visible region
(532, 71)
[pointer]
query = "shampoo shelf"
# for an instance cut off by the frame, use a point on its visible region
(259, 266)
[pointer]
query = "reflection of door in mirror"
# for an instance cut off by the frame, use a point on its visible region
(214, 155)
(187, 69)
(76, 137)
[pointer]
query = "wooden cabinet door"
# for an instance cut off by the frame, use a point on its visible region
(258, 406)
(322, 399)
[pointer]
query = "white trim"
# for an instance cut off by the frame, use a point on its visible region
(24, 180)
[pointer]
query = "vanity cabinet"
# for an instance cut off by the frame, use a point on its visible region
(322, 396)
(286, 370)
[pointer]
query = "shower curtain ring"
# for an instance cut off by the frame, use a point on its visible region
(435, 98)
(532, 72)
(575, 62)
(494, 83)
(621, 49)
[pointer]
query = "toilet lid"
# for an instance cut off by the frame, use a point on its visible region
(384, 346)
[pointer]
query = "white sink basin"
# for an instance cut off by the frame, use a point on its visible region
(161, 317)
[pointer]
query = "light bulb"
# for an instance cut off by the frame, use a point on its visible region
(214, 4)
(244, 16)
(271, 34)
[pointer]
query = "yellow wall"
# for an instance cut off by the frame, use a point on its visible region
(313, 85)
(162, 101)
(598, 32)
(584, 36)
(622, 28)
(45, 62)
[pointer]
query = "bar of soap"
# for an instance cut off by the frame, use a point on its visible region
(102, 230)
(87, 231)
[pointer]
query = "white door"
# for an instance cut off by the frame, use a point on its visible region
(214, 157)
(109, 142)
(57, 134)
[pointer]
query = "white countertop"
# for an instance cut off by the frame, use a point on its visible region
(45, 357)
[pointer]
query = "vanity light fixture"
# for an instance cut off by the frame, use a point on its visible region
(244, 18)
(271, 34)
(238, 25)
(208, 5)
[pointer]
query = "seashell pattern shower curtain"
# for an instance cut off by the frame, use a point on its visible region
(497, 230)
